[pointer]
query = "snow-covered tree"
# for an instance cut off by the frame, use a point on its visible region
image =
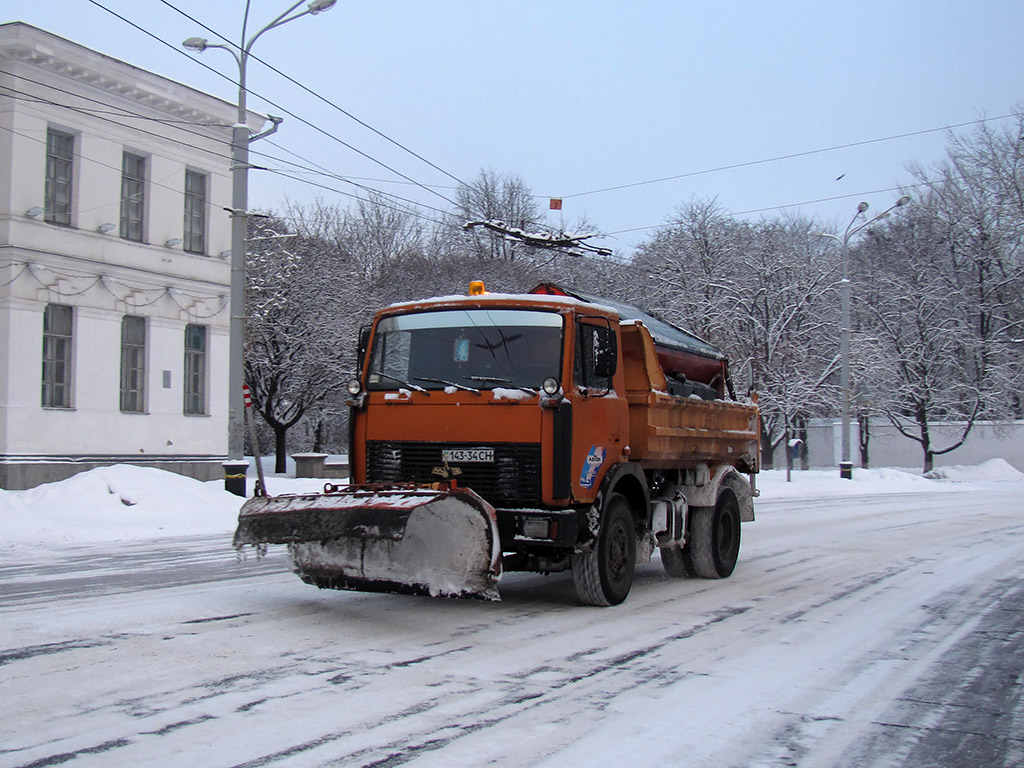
(762, 292)
(295, 328)
(977, 198)
(686, 269)
(916, 340)
(783, 325)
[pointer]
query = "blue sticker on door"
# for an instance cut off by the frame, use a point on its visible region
(593, 462)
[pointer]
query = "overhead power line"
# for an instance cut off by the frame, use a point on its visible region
(380, 204)
(778, 158)
(99, 114)
(781, 207)
(288, 112)
(122, 112)
(322, 98)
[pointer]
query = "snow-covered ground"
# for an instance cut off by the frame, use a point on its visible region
(124, 502)
(875, 622)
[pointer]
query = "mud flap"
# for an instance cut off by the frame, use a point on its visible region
(409, 540)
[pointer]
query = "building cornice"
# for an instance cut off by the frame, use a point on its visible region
(30, 45)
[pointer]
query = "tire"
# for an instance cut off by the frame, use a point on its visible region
(715, 538)
(604, 575)
(676, 563)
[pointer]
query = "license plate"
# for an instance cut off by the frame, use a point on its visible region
(468, 455)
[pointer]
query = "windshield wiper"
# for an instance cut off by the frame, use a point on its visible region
(463, 387)
(400, 381)
(497, 380)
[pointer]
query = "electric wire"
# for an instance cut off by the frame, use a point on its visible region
(122, 112)
(322, 98)
(302, 120)
(665, 225)
(351, 180)
(313, 167)
(25, 96)
(790, 156)
(326, 188)
(96, 162)
(733, 166)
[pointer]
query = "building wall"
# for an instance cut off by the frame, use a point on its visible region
(109, 107)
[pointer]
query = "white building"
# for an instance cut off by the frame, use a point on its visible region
(114, 264)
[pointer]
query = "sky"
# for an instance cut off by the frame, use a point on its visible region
(576, 97)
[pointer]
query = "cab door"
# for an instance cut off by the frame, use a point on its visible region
(600, 413)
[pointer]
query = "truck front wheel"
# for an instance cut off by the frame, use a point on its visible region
(715, 538)
(604, 575)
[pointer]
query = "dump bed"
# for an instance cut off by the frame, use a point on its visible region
(668, 431)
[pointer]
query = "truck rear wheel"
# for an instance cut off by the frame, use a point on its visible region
(715, 538)
(604, 575)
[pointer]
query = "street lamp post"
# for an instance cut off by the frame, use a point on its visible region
(235, 467)
(846, 463)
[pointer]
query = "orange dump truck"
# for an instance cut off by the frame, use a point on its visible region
(539, 432)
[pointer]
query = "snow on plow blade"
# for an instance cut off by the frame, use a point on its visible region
(402, 539)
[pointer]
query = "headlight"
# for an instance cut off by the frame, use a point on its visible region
(550, 386)
(354, 387)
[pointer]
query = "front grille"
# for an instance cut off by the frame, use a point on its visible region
(512, 479)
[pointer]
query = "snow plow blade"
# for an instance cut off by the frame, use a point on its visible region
(438, 541)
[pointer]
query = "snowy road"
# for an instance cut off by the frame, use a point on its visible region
(871, 631)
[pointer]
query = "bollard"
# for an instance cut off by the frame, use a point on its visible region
(234, 476)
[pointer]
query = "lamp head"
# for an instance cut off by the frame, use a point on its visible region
(197, 44)
(316, 6)
(903, 201)
(862, 207)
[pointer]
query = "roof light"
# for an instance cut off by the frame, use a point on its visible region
(476, 288)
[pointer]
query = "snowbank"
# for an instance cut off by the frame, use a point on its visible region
(125, 502)
(818, 483)
(114, 503)
(996, 470)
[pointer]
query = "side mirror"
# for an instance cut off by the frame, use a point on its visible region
(364, 343)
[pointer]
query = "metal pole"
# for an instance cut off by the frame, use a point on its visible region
(239, 221)
(236, 344)
(845, 464)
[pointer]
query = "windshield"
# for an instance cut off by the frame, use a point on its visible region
(468, 349)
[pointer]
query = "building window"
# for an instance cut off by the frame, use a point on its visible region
(133, 190)
(57, 324)
(133, 364)
(195, 212)
(59, 160)
(195, 369)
